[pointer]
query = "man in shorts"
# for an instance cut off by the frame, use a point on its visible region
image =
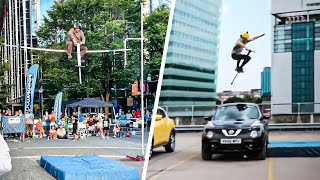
(75, 119)
(29, 123)
(106, 126)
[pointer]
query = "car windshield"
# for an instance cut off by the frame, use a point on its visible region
(237, 112)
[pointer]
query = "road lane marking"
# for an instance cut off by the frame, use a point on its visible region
(79, 147)
(270, 169)
(179, 163)
(38, 157)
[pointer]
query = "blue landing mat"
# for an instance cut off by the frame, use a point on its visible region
(294, 149)
(87, 167)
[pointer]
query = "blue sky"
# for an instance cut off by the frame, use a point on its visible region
(236, 18)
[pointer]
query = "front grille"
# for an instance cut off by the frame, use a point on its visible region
(218, 131)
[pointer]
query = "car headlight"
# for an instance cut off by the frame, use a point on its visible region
(254, 134)
(209, 134)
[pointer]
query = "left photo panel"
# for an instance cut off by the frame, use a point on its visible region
(78, 81)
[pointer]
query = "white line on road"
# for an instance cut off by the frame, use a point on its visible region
(38, 157)
(79, 147)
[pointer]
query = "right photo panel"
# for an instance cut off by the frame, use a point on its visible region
(238, 95)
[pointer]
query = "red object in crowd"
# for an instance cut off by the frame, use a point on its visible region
(137, 114)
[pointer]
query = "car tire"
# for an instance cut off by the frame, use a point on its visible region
(172, 143)
(262, 154)
(205, 153)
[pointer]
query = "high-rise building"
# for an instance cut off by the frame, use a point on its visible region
(296, 56)
(191, 64)
(265, 81)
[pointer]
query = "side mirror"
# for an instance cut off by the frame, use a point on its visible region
(159, 117)
(207, 118)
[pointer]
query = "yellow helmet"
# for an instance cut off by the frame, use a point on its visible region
(245, 35)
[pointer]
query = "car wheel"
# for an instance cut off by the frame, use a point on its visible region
(172, 143)
(262, 154)
(206, 154)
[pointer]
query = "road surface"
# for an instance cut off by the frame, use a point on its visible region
(26, 155)
(186, 162)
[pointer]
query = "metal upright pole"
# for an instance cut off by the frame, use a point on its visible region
(142, 87)
(79, 62)
(125, 52)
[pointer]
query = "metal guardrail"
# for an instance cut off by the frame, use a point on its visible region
(272, 127)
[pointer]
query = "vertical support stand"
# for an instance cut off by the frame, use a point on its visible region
(125, 52)
(299, 119)
(192, 109)
(142, 89)
(79, 62)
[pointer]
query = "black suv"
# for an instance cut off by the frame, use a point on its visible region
(236, 128)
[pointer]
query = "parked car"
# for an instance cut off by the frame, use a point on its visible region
(236, 128)
(164, 132)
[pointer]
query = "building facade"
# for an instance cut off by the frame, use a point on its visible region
(265, 81)
(191, 63)
(17, 32)
(296, 56)
(23, 18)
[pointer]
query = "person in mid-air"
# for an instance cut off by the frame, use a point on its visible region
(237, 49)
(75, 36)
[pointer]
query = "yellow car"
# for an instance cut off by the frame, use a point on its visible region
(164, 132)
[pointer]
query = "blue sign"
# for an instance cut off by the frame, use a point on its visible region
(57, 106)
(30, 86)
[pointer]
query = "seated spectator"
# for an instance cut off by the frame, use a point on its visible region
(122, 115)
(90, 124)
(128, 115)
(137, 113)
(53, 133)
(61, 132)
(116, 129)
(40, 128)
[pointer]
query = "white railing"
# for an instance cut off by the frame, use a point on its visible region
(295, 111)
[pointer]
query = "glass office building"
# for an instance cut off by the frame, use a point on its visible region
(296, 56)
(191, 65)
(265, 81)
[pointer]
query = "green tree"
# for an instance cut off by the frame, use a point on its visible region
(156, 30)
(246, 98)
(4, 86)
(105, 23)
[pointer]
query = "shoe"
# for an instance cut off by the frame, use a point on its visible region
(241, 70)
(107, 137)
(238, 69)
(69, 56)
